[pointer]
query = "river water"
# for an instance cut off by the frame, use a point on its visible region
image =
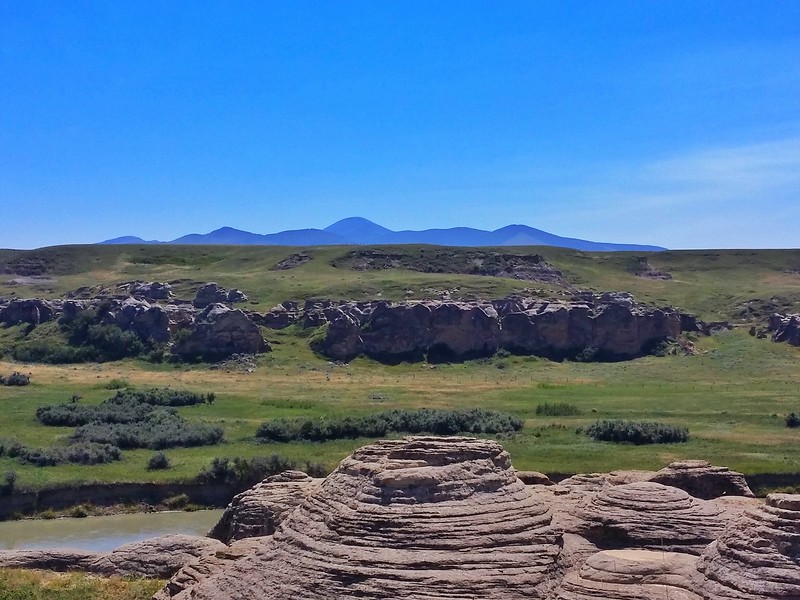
(101, 534)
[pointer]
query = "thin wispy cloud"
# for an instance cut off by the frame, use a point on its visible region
(697, 199)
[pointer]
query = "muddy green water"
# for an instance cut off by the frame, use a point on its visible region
(101, 534)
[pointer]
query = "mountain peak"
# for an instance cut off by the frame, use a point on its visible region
(359, 230)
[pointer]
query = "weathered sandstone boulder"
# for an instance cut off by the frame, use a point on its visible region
(28, 310)
(158, 557)
(148, 321)
(212, 293)
(149, 290)
(631, 575)
(180, 585)
(49, 560)
(646, 515)
(219, 332)
(703, 480)
(534, 478)
(259, 510)
(757, 557)
(417, 518)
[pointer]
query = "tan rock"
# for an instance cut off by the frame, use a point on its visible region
(158, 557)
(259, 510)
(758, 554)
(49, 560)
(421, 517)
(631, 575)
(646, 515)
(703, 480)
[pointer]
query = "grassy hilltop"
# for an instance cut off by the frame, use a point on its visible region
(732, 396)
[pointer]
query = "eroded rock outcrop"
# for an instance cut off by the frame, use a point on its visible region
(595, 327)
(646, 515)
(213, 293)
(413, 518)
(28, 310)
(158, 557)
(148, 321)
(701, 479)
(259, 510)
(219, 332)
(631, 575)
(785, 328)
(49, 560)
(757, 557)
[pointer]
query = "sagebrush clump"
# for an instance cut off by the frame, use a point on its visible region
(637, 432)
(426, 420)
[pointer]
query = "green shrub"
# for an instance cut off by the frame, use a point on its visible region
(15, 379)
(793, 420)
(126, 406)
(557, 409)
(81, 453)
(439, 422)
(158, 462)
(637, 432)
(242, 473)
(118, 384)
(161, 429)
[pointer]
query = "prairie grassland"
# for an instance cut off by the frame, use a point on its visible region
(733, 397)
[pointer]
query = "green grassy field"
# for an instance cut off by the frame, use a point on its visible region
(18, 584)
(733, 396)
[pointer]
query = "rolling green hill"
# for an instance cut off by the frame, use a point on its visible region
(715, 284)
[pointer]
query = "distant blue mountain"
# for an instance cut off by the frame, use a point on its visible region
(357, 230)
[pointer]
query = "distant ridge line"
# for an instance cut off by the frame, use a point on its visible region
(360, 231)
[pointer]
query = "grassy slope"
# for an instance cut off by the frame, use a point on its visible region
(732, 397)
(710, 283)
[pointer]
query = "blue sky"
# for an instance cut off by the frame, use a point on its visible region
(671, 123)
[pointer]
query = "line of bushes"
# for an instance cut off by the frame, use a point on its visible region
(637, 432)
(126, 406)
(242, 473)
(160, 429)
(426, 420)
(79, 453)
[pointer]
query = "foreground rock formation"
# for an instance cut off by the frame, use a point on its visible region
(259, 510)
(758, 555)
(430, 518)
(413, 518)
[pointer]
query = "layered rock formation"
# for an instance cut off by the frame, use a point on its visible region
(758, 555)
(414, 518)
(703, 480)
(158, 557)
(259, 510)
(646, 515)
(604, 327)
(631, 575)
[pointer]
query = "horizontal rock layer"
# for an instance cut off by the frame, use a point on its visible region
(758, 554)
(413, 518)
